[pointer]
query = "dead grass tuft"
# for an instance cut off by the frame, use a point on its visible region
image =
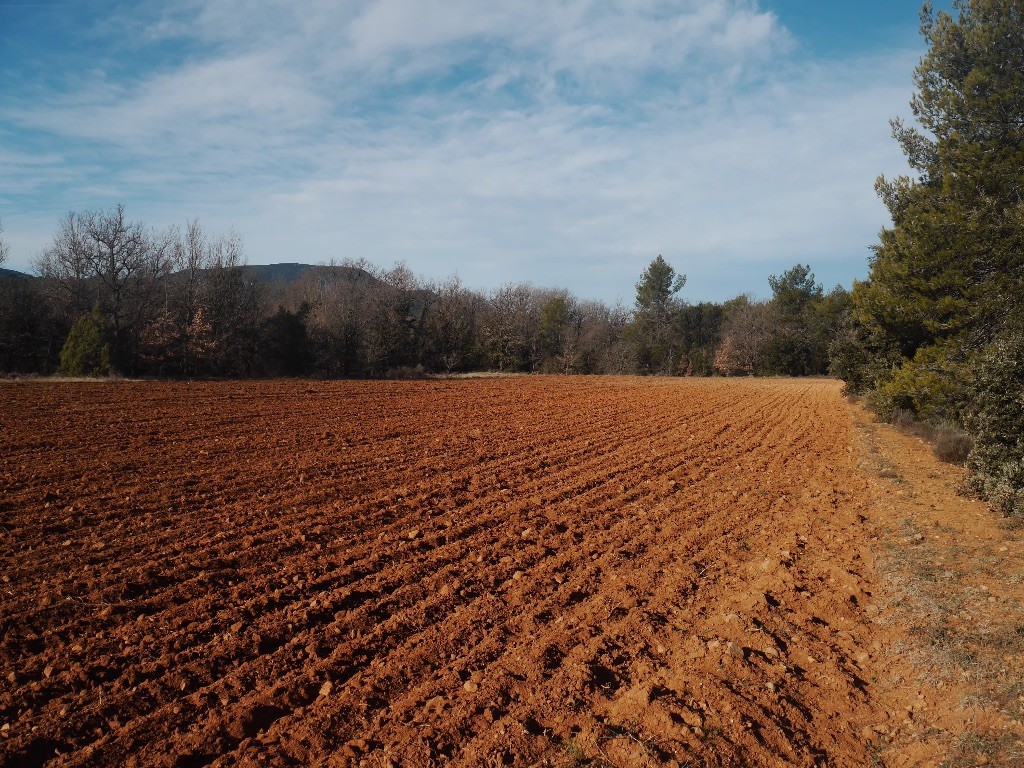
(948, 441)
(951, 444)
(974, 748)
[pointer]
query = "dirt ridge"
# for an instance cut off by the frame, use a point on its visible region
(518, 571)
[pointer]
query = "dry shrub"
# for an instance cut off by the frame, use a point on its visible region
(951, 444)
(904, 419)
(948, 441)
(406, 372)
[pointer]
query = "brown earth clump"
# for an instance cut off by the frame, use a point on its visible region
(524, 571)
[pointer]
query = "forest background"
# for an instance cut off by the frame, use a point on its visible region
(935, 334)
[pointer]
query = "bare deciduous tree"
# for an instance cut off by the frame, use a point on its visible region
(234, 306)
(99, 257)
(602, 344)
(746, 334)
(513, 318)
(338, 295)
(453, 326)
(66, 269)
(193, 255)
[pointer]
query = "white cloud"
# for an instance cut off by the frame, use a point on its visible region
(593, 41)
(389, 26)
(560, 141)
(184, 104)
(785, 174)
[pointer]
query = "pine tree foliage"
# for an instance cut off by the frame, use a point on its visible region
(949, 272)
(654, 331)
(937, 327)
(86, 351)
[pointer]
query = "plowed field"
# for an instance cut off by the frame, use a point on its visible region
(521, 571)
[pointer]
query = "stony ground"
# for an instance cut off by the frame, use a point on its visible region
(950, 614)
(516, 571)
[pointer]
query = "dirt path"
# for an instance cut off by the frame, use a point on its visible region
(951, 613)
(532, 571)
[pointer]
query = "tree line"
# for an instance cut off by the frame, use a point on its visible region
(935, 332)
(114, 296)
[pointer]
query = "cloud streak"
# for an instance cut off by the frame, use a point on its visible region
(562, 142)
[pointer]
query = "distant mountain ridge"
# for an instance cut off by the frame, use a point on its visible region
(287, 273)
(283, 273)
(14, 273)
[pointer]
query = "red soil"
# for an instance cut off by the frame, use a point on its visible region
(520, 571)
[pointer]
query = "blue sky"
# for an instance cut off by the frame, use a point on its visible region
(560, 142)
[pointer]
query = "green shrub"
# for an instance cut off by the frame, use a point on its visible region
(931, 385)
(85, 353)
(997, 421)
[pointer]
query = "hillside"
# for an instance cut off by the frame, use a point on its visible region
(13, 273)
